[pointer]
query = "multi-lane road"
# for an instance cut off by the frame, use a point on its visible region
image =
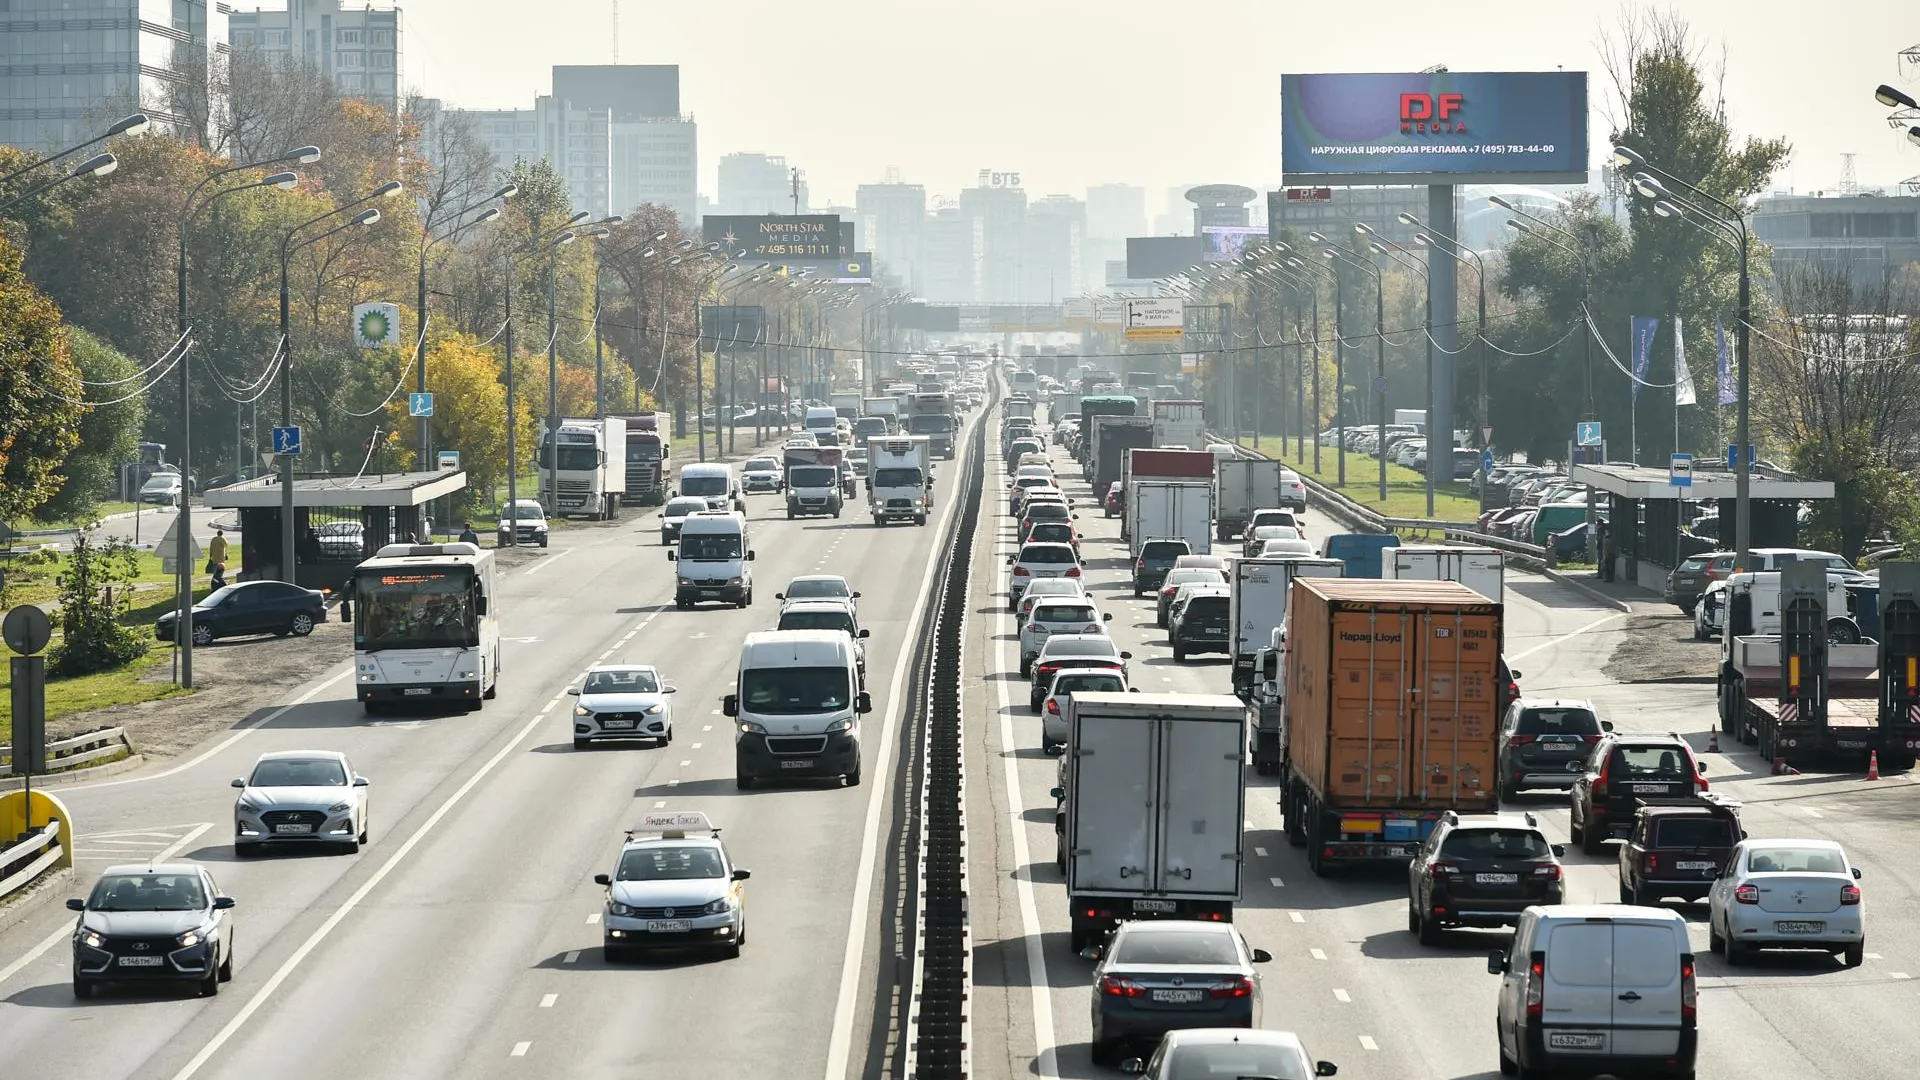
(1347, 975)
(464, 940)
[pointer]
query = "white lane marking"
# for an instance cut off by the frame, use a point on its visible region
(840, 1044)
(1811, 812)
(520, 1049)
(593, 918)
(684, 764)
(1260, 851)
(659, 803)
(549, 561)
(1296, 916)
(65, 932)
(1898, 975)
(245, 730)
(695, 746)
(673, 783)
(1342, 996)
(571, 958)
(547, 1000)
(1367, 1043)
(352, 902)
(1276, 883)
(1317, 954)
(1564, 638)
(715, 712)
(705, 727)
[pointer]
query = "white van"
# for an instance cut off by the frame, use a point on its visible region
(797, 706)
(714, 560)
(1596, 989)
(714, 482)
(821, 420)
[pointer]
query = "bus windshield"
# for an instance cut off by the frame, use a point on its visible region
(709, 547)
(415, 608)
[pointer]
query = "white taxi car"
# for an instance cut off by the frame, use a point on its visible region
(673, 887)
(622, 701)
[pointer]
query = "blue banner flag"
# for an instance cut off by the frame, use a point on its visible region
(1645, 328)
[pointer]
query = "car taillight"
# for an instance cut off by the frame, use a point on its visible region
(1021, 571)
(1521, 740)
(1232, 988)
(1445, 868)
(1750, 894)
(1139, 565)
(1115, 986)
(1849, 895)
(1169, 591)
(1590, 739)
(1689, 992)
(1536, 983)
(1699, 782)
(1072, 571)
(1048, 670)
(1600, 781)
(1653, 861)
(1053, 706)
(1034, 628)
(1551, 872)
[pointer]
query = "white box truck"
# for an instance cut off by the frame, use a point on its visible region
(587, 463)
(846, 403)
(1154, 802)
(1481, 569)
(1257, 606)
(885, 407)
(900, 479)
(1167, 509)
(812, 480)
(1179, 423)
(1243, 485)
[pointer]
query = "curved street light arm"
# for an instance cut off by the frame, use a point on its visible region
(57, 181)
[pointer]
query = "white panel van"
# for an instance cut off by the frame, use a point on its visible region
(714, 482)
(714, 561)
(796, 707)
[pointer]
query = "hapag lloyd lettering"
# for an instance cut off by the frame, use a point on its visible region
(1432, 114)
(1356, 638)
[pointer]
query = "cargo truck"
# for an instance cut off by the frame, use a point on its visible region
(1151, 815)
(1241, 486)
(1113, 436)
(1360, 551)
(586, 462)
(649, 465)
(931, 415)
(1170, 510)
(1151, 463)
(1390, 715)
(812, 480)
(1093, 405)
(1413, 418)
(886, 408)
(1179, 423)
(846, 403)
(1481, 569)
(899, 479)
(1257, 607)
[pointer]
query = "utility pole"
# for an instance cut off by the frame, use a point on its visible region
(796, 192)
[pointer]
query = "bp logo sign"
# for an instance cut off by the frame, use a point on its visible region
(376, 325)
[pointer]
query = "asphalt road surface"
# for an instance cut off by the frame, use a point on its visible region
(464, 940)
(1346, 973)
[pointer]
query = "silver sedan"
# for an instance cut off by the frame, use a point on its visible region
(300, 796)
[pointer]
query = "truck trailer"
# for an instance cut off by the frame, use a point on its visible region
(1168, 510)
(1179, 423)
(1481, 569)
(1243, 485)
(586, 461)
(648, 456)
(1391, 714)
(1152, 809)
(1093, 405)
(1142, 464)
(1113, 436)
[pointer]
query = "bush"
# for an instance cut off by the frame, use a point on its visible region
(94, 592)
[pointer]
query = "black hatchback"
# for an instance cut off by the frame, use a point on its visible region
(1156, 557)
(1481, 871)
(251, 607)
(1203, 623)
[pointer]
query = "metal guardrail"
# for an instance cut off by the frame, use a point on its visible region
(27, 859)
(78, 750)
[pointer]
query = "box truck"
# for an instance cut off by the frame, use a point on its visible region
(899, 479)
(1414, 418)
(1148, 463)
(846, 403)
(1179, 423)
(1481, 569)
(931, 414)
(1392, 705)
(1152, 809)
(1170, 510)
(1241, 486)
(813, 480)
(1113, 436)
(586, 461)
(649, 470)
(1257, 607)
(886, 408)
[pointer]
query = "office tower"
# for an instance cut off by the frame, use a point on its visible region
(358, 49)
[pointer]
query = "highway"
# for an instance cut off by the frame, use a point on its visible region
(464, 940)
(1347, 975)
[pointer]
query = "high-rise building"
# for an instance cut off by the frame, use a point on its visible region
(892, 218)
(757, 184)
(999, 215)
(1116, 211)
(357, 48)
(1867, 237)
(71, 73)
(949, 240)
(577, 142)
(656, 160)
(1056, 248)
(628, 91)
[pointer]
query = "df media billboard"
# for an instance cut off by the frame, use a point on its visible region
(1434, 128)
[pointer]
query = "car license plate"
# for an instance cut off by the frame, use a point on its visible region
(141, 961)
(1496, 879)
(799, 763)
(1647, 789)
(1176, 997)
(1165, 906)
(1575, 1040)
(1799, 927)
(1694, 864)
(669, 926)
(1558, 747)
(1399, 851)
(617, 725)
(417, 691)
(293, 830)
(1850, 744)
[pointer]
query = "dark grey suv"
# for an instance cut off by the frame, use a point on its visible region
(153, 922)
(1544, 743)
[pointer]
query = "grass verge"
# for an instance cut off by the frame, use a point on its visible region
(66, 697)
(1406, 489)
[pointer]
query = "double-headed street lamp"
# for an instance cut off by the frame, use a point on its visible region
(98, 165)
(456, 228)
(1331, 252)
(1292, 273)
(599, 358)
(551, 440)
(1405, 258)
(288, 246)
(1307, 269)
(1435, 240)
(1731, 222)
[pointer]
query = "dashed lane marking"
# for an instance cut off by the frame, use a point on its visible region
(1317, 954)
(1260, 851)
(1367, 1043)
(571, 958)
(684, 764)
(1342, 996)
(520, 1049)
(659, 803)
(593, 918)
(696, 746)
(1276, 883)
(549, 561)
(547, 1000)
(1296, 916)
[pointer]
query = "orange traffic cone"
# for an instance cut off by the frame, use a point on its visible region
(1873, 765)
(1713, 741)
(1779, 766)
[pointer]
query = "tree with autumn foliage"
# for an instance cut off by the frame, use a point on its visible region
(469, 414)
(40, 392)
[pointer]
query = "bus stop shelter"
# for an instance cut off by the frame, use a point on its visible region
(1648, 512)
(339, 521)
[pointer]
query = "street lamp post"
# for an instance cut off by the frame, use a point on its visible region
(551, 439)
(1583, 253)
(98, 165)
(1307, 269)
(289, 565)
(134, 124)
(1301, 282)
(1403, 257)
(1433, 239)
(458, 229)
(1331, 252)
(599, 359)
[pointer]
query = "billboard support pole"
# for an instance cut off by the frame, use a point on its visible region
(1443, 307)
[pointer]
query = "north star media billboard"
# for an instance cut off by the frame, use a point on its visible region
(1434, 128)
(814, 236)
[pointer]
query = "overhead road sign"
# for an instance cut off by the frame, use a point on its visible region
(1156, 319)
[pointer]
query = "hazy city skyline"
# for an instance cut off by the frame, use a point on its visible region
(1070, 96)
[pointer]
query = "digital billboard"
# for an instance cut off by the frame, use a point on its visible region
(1434, 128)
(854, 269)
(815, 236)
(1225, 243)
(1162, 256)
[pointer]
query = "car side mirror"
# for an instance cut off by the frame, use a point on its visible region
(730, 705)
(1262, 956)
(672, 493)
(573, 691)
(602, 879)
(1106, 616)
(863, 703)
(864, 632)
(1325, 1068)
(742, 875)
(779, 596)
(750, 555)
(1091, 952)
(76, 904)
(1496, 963)
(1010, 559)
(1856, 873)
(1516, 673)
(1126, 655)
(669, 689)
(1559, 850)
(1605, 725)
(239, 783)
(1056, 794)
(1700, 766)
(1133, 689)
(672, 557)
(223, 903)
(856, 595)
(1133, 1065)
(360, 781)
(480, 606)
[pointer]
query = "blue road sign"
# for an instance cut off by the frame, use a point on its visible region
(286, 440)
(1733, 456)
(1587, 433)
(1680, 470)
(1486, 461)
(419, 405)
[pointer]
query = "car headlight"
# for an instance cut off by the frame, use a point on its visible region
(718, 907)
(654, 710)
(339, 808)
(191, 937)
(247, 804)
(841, 725)
(752, 728)
(733, 581)
(616, 908)
(686, 581)
(582, 710)
(90, 939)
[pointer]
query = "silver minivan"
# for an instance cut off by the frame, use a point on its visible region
(1597, 989)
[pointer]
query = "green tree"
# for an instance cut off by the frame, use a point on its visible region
(109, 431)
(94, 594)
(40, 392)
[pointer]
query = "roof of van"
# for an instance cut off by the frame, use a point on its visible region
(705, 468)
(719, 521)
(796, 648)
(1582, 912)
(1382, 591)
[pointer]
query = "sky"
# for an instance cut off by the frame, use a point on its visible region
(1071, 93)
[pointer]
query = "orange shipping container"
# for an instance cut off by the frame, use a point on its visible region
(1391, 694)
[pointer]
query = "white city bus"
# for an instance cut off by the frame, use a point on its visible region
(426, 630)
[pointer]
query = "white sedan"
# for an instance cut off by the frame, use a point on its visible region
(622, 701)
(300, 796)
(1787, 894)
